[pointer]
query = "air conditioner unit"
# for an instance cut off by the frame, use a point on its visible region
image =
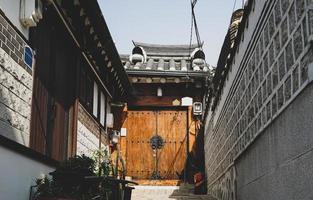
(30, 12)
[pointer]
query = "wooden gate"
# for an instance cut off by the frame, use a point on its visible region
(142, 162)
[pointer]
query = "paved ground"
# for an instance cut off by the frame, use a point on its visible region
(166, 193)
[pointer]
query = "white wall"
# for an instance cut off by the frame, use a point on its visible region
(17, 174)
(11, 9)
(87, 142)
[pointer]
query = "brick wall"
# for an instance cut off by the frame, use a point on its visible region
(269, 71)
(15, 86)
(88, 133)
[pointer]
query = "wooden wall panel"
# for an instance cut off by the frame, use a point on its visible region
(59, 134)
(38, 136)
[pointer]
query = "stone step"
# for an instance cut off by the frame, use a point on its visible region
(166, 193)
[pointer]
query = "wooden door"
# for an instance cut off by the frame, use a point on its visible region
(172, 128)
(141, 160)
(139, 156)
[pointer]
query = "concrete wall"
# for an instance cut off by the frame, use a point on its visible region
(247, 136)
(15, 86)
(17, 174)
(88, 133)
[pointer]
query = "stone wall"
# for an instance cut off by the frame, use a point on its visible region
(269, 72)
(279, 164)
(15, 86)
(88, 133)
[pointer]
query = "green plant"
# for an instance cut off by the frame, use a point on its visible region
(68, 179)
(43, 187)
(78, 162)
(104, 164)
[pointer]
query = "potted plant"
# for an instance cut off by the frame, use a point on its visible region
(71, 172)
(49, 190)
(67, 180)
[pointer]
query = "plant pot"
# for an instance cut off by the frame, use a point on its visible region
(70, 178)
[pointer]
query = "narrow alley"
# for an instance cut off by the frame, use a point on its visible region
(156, 100)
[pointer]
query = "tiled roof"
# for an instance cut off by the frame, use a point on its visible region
(157, 64)
(167, 58)
(153, 50)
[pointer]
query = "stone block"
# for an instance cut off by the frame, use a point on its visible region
(14, 134)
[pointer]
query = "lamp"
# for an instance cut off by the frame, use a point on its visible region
(159, 92)
(197, 108)
(117, 104)
(115, 136)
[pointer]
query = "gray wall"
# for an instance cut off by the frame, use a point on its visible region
(262, 121)
(279, 164)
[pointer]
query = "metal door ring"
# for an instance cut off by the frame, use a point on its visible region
(156, 142)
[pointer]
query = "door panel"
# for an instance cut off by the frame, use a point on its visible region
(172, 128)
(141, 160)
(139, 156)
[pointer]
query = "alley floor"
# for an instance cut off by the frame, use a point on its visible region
(166, 193)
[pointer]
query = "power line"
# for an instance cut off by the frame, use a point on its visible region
(235, 3)
(194, 23)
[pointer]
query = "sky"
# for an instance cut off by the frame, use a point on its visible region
(168, 22)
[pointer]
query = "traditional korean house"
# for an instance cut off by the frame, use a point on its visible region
(164, 115)
(60, 76)
(78, 76)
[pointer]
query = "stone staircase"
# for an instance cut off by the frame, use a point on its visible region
(182, 192)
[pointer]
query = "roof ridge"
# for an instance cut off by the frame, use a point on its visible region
(150, 45)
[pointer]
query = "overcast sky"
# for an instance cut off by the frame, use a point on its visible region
(167, 22)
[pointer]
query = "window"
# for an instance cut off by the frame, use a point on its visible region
(89, 93)
(95, 100)
(86, 89)
(102, 108)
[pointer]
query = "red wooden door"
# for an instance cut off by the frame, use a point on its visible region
(168, 161)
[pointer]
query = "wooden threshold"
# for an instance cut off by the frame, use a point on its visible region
(159, 182)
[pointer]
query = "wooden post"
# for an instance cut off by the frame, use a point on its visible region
(187, 149)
